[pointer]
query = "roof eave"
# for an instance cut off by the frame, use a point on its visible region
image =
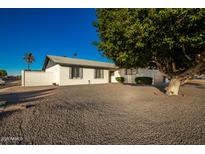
(47, 58)
(88, 66)
(45, 62)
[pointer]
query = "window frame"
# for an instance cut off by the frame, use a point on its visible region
(99, 73)
(132, 71)
(76, 72)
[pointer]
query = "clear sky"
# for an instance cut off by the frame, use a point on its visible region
(44, 32)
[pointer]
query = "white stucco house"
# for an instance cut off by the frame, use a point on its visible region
(62, 71)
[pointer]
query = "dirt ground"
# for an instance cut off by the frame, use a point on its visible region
(103, 114)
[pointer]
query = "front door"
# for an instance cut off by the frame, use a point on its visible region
(111, 74)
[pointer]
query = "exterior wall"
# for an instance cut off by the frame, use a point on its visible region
(37, 78)
(88, 75)
(60, 75)
(55, 69)
(157, 76)
(117, 73)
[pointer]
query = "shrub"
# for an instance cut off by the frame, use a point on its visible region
(3, 73)
(143, 80)
(120, 79)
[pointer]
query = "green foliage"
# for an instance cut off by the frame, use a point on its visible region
(3, 73)
(120, 79)
(29, 59)
(143, 80)
(169, 39)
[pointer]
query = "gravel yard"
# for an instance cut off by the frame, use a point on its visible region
(103, 114)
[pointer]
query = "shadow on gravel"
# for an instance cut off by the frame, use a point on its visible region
(159, 87)
(21, 100)
(21, 97)
(5, 114)
(197, 85)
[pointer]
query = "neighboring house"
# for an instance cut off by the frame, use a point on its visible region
(63, 71)
(131, 74)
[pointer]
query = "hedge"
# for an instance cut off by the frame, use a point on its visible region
(143, 80)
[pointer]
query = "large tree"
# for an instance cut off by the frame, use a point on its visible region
(3, 73)
(173, 40)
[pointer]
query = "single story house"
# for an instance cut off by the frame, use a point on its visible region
(58, 70)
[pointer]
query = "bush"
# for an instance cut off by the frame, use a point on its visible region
(3, 73)
(120, 79)
(143, 80)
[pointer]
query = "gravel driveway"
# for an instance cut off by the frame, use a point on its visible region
(108, 114)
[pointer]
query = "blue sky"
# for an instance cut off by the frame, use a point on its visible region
(44, 32)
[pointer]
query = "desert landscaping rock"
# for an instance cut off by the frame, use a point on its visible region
(108, 114)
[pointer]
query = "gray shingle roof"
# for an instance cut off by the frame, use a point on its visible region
(74, 61)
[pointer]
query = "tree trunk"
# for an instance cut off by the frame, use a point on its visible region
(173, 88)
(174, 85)
(28, 67)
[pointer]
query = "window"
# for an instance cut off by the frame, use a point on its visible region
(134, 71)
(128, 71)
(76, 72)
(131, 71)
(99, 73)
